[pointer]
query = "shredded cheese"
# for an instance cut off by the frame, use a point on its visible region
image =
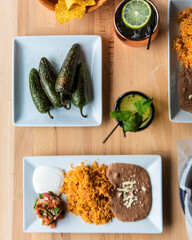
(128, 193)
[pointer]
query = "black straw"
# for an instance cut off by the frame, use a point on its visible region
(124, 132)
(110, 133)
(149, 42)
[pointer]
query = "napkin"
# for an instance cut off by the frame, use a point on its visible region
(184, 148)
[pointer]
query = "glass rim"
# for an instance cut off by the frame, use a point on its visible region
(137, 40)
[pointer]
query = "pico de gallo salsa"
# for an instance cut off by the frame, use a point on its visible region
(49, 208)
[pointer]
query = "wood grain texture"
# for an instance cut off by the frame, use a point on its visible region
(124, 69)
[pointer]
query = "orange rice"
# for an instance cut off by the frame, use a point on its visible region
(183, 44)
(88, 193)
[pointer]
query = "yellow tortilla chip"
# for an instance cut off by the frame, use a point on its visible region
(70, 3)
(90, 2)
(64, 15)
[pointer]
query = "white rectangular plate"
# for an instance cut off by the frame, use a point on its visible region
(27, 52)
(74, 224)
(175, 113)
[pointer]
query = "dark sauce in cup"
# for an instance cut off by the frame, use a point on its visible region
(135, 34)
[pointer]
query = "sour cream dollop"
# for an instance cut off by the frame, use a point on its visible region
(47, 179)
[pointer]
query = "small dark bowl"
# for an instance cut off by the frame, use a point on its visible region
(118, 103)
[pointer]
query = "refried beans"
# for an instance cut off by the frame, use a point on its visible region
(185, 89)
(132, 198)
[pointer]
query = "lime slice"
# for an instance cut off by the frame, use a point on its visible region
(136, 14)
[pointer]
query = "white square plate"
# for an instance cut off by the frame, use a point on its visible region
(27, 52)
(153, 223)
(175, 112)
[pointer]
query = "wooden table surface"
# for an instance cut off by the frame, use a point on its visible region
(124, 69)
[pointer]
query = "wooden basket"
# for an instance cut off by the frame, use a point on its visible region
(50, 4)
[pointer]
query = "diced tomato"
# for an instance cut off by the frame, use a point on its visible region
(46, 221)
(47, 194)
(52, 226)
(61, 216)
(51, 205)
(38, 213)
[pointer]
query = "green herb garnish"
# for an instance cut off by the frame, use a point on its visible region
(40, 195)
(56, 210)
(142, 105)
(133, 123)
(121, 115)
(133, 120)
(35, 203)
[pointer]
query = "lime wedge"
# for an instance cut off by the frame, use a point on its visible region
(136, 14)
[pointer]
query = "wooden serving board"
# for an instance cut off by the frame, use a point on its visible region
(124, 69)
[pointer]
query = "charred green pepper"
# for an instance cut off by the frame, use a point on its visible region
(65, 80)
(80, 92)
(48, 79)
(39, 97)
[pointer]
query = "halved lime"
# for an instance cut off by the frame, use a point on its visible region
(136, 13)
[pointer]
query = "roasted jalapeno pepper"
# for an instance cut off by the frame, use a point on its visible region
(80, 92)
(39, 97)
(48, 79)
(65, 80)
